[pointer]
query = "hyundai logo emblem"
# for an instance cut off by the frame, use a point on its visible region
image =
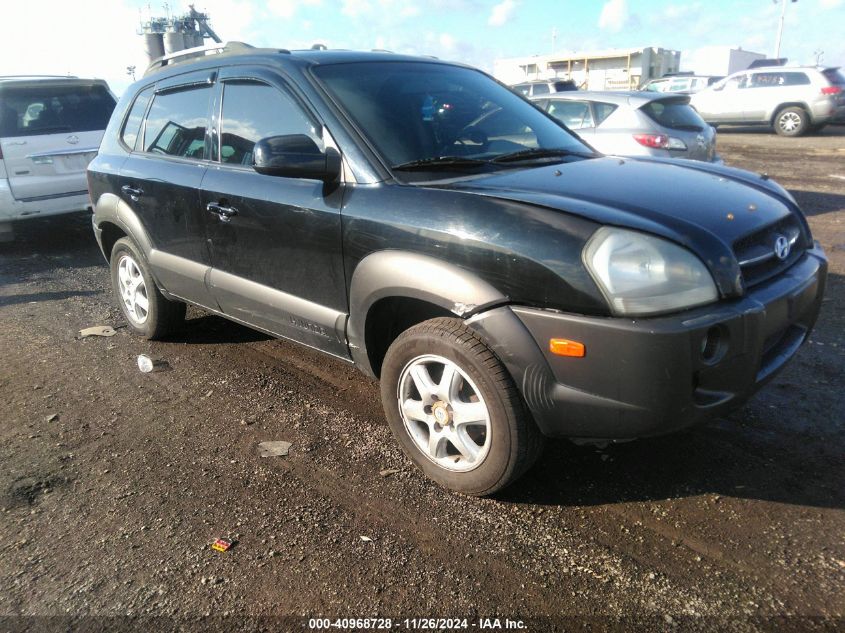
(782, 247)
(73, 139)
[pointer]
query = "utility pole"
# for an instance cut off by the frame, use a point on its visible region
(780, 25)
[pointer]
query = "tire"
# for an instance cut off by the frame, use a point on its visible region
(7, 232)
(146, 310)
(792, 121)
(487, 438)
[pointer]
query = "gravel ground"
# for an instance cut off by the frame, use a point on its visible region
(114, 483)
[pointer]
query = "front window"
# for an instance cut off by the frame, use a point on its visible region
(253, 111)
(422, 111)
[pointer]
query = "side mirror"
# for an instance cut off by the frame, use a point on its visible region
(295, 156)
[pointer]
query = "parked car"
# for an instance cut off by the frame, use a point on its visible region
(792, 100)
(503, 286)
(686, 84)
(635, 123)
(50, 128)
(544, 87)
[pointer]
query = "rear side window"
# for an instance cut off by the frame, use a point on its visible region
(675, 114)
(34, 110)
(132, 127)
(253, 111)
(541, 89)
(176, 123)
(573, 114)
(523, 89)
(603, 110)
(776, 79)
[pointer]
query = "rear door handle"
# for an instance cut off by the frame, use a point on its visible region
(222, 211)
(132, 192)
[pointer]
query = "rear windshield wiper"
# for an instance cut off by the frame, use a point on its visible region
(440, 162)
(538, 152)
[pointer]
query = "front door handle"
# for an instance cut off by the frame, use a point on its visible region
(132, 192)
(222, 211)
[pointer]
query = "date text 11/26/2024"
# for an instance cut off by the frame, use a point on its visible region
(416, 624)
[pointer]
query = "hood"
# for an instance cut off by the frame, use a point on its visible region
(705, 208)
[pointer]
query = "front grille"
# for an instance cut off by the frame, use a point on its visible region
(756, 252)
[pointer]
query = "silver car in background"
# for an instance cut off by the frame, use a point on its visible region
(50, 129)
(794, 100)
(635, 123)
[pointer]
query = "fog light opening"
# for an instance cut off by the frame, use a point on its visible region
(711, 345)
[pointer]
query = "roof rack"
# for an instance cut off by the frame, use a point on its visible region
(38, 77)
(191, 54)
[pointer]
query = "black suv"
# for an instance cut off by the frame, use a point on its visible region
(502, 280)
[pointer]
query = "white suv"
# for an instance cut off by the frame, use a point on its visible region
(50, 129)
(794, 100)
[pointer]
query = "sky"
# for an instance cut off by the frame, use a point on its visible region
(100, 38)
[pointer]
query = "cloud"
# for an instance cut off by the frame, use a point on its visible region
(831, 4)
(354, 8)
(288, 8)
(502, 13)
(614, 15)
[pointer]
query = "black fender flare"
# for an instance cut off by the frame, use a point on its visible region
(395, 273)
(111, 208)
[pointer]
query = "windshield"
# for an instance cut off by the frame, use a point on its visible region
(418, 111)
(31, 110)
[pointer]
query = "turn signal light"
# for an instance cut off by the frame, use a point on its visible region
(565, 347)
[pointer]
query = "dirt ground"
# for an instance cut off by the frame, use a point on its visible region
(114, 483)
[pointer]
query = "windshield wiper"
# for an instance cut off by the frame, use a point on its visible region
(537, 152)
(440, 162)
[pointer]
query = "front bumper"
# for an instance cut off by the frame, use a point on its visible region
(649, 376)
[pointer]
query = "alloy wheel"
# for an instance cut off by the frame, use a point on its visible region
(444, 413)
(133, 289)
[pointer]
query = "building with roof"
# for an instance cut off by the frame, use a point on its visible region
(612, 69)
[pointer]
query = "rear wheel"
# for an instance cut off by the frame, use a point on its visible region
(146, 310)
(792, 121)
(454, 409)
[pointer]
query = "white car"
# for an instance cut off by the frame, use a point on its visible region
(793, 100)
(50, 129)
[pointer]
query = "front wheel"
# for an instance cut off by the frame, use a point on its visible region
(455, 410)
(146, 310)
(792, 121)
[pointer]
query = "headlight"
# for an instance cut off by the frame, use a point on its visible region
(640, 274)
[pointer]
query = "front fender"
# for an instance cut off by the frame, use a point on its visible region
(394, 273)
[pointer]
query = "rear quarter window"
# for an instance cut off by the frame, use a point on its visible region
(674, 114)
(602, 110)
(33, 110)
(132, 126)
(834, 76)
